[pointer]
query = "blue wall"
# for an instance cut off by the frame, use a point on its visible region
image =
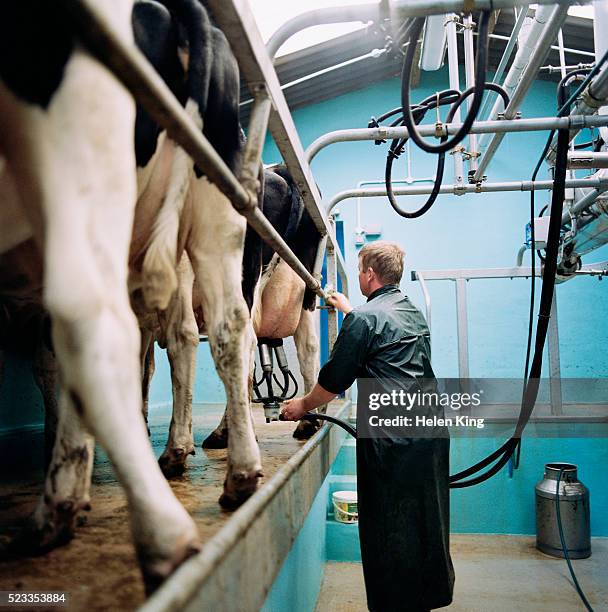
(473, 231)
(298, 584)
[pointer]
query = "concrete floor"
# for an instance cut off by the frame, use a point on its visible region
(98, 567)
(493, 574)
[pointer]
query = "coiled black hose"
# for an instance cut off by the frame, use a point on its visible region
(481, 62)
(444, 97)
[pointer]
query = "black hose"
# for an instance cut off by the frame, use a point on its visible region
(548, 285)
(314, 416)
(562, 539)
(481, 61)
(394, 151)
(514, 443)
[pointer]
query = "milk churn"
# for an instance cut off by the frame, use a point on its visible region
(574, 511)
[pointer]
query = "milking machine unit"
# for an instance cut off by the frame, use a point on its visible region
(272, 402)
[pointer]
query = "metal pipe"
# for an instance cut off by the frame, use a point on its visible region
(454, 84)
(469, 71)
(462, 328)
(586, 201)
(258, 124)
(555, 384)
(541, 49)
(520, 255)
(504, 60)
(370, 12)
(140, 78)
(337, 14)
(479, 127)
(531, 31)
(591, 100)
(427, 298)
(422, 8)
(551, 69)
(562, 53)
(584, 160)
(600, 43)
(455, 189)
(484, 273)
(553, 47)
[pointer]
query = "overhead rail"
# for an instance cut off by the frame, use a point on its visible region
(526, 40)
(504, 60)
(423, 8)
(146, 86)
(446, 129)
(598, 184)
(334, 14)
(528, 75)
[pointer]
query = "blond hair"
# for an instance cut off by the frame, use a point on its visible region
(385, 259)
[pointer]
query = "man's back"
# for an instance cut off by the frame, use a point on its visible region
(399, 340)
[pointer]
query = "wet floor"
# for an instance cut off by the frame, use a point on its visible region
(97, 568)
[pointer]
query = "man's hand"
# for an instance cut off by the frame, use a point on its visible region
(294, 409)
(339, 301)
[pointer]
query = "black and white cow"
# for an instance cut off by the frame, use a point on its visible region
(188, 235)
(67, 179)
(281, 307)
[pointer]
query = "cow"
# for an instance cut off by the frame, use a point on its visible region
(185, 226)
(282, 306)
(68, 181)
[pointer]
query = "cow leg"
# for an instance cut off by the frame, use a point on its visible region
(216, 250)
(182, 343)
(85, 187)
(307, 347)
(147, 369)
(45, 371)
(218, 438)
(67, 484)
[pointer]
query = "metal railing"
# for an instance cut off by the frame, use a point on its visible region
(460, 277)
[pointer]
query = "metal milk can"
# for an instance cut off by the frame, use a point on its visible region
(574, 511)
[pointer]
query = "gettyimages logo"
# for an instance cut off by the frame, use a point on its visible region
(409, 400)
(430, 408)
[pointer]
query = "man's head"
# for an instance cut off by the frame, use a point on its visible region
(380, 263)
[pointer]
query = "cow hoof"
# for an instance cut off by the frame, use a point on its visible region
(173, 461)
(305, 430)
(216, 440)
(49, 527)
(156, 572)
(238, 488)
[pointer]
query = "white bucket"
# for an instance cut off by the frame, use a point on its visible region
(345, 506)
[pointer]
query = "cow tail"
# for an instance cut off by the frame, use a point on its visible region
(195, 20)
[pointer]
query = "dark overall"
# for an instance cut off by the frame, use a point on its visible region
(402, 483)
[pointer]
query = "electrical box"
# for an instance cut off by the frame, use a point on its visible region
(541, 233)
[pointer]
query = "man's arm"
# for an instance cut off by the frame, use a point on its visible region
(339, 301)
(340, 370)
(296, 408)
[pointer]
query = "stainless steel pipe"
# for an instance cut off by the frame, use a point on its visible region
(479, 127)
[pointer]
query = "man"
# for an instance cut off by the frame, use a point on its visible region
(402, 482)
